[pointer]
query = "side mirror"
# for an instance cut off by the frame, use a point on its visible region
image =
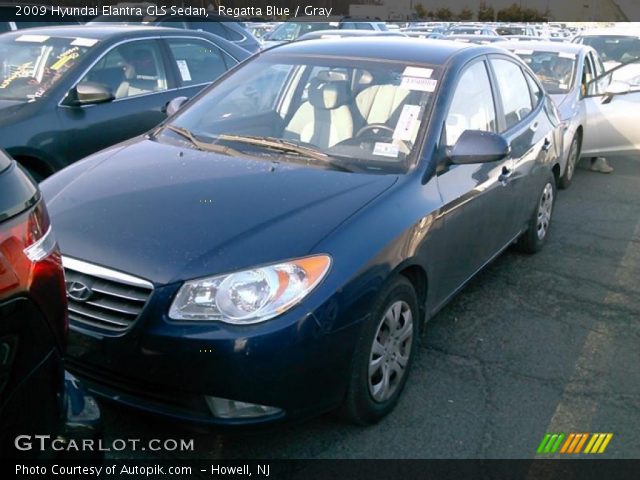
(476, 146)
(174, 105)
(90, 93)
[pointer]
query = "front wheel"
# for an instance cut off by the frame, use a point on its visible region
(384, 354)
(537, 232)
(572, 162)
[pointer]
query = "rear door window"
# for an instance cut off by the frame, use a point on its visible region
(196, 61)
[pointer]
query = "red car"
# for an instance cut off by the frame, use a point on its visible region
(34, 396)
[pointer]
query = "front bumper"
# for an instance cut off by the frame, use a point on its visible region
(168, 368)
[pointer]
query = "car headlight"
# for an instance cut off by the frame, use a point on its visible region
(250, 296)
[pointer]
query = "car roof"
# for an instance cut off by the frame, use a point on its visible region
(543, 46)
(104, 32)
(401, 49)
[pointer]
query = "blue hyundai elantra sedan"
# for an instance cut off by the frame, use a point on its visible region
(273, 249)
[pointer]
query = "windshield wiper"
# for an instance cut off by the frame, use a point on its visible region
(286, 146)
(204, 146)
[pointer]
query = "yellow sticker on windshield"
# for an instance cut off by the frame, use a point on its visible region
(21, 71)
(64, 57)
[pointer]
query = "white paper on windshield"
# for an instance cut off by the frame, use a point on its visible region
(32, 38)
(570, 56)
(386, 150)
(184, 70)
(407, 123)
(523, 52)
(420, 84)
(84, 42)
(418, 72)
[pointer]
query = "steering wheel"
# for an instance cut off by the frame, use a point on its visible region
(375, 127)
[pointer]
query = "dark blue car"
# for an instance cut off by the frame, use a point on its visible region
(273, 249)
(67, 92)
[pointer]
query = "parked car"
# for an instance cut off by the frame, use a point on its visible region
(424, 35)
(35, 397)
(565, 70)
(478, 39)
(219, 25)
(291, 31)
(616, 45)
(517, 29)
(264, 257)
(10, 22)
(349, 34)
(259, 29)
(66, 92)
(596, 108)
(471, 30)
(354, 23)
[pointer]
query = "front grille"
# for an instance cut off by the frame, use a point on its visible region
(114, 300)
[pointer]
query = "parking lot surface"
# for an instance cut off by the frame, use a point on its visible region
(534, 344)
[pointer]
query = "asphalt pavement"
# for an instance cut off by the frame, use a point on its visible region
(534, 344)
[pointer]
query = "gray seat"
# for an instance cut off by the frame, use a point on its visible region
(325, 119)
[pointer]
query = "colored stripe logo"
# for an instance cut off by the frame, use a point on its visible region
(573, 443)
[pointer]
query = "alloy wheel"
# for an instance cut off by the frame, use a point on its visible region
(390, 351)
(545, 208)
(572, 160)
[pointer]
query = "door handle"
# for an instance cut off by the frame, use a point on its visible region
(505, 176)
(547, 145)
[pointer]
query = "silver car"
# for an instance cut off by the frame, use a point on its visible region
(591, 104)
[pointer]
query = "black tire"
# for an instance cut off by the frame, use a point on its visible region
(572, 162)
(360, 406)
(535, 237)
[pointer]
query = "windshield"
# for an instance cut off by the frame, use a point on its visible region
(362, 115)
(614, 49)
(290, 31)
(556, 70)
(31, 65)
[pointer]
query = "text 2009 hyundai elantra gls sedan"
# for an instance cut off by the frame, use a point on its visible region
(273, 249)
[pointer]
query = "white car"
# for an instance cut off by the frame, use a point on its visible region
(597, 108)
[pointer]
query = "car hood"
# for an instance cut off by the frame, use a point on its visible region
(9, 109)
(166, 213)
